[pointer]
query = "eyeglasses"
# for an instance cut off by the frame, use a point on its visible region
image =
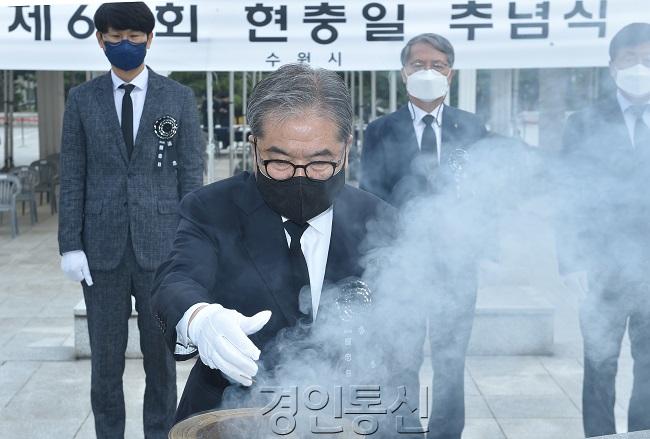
(440, 67)
(282, 170)
(115, 38)
(627, 61)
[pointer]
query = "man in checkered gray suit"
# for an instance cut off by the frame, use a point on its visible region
(131, 149)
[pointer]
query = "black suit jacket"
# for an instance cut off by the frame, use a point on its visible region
(598, 129)
(390, 147)
(603, 177)
(231, 249)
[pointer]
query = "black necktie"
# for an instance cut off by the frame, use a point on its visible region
(429, 143)
(300, 273)
(127, 117)
(641, 130)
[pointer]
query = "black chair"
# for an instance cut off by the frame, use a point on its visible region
(46, 181)
(55, 159)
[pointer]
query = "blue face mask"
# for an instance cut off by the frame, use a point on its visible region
(126, 55)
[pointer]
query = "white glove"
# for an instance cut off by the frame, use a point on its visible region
(75, 266)
(220, 335)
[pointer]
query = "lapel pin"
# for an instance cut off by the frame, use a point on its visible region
(165, 128)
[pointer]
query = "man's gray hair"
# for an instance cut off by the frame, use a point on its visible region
(294, 89)
(437, 41)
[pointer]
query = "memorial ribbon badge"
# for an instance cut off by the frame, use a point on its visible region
(165, 129)
(354, 304)
(457, 162)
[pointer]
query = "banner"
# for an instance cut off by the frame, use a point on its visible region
(260, 35)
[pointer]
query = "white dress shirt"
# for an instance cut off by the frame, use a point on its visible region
(417, 114)
(315, 244)
(630, 118)
(137, 96)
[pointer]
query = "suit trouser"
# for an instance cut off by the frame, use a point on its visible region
(450, 327)
(603, 319)
(108, 304)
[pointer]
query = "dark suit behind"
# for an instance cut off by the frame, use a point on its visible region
(607, 235)
(390, 148)
(231, 249)
(391, 169)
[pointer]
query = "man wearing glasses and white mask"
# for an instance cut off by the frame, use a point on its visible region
(246, 246)
(423, 130)
(407, 154)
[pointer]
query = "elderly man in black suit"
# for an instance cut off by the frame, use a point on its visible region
(607, 149)
(121, 182)
(407, 154)
(247, 246)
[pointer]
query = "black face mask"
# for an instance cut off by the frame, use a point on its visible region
(299, 198)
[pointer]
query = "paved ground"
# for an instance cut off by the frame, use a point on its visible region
(44, 390)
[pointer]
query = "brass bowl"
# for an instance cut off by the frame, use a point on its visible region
(219, 424)
(246, 423)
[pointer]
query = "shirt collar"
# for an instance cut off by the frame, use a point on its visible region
(418, 113)
(322, 223)
(139, 81)
(625, 102)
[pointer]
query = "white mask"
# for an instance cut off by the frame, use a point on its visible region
(634, 81)
(427, 85)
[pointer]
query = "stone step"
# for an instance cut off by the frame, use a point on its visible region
(82, 342)
(515, 320)
(634, 435)
(510, 321)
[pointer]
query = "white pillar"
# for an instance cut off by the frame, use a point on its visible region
(552, 107)
(467, 90)
(210, 126)
(501, 112)
(231, 121)
(392, 87)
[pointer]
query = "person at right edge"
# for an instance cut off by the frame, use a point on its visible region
(607, 146)
(406, 154)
